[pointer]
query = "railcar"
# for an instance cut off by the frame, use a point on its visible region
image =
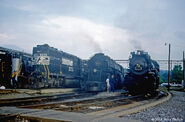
(99, 67)
(142, 76)
(55, 68)
(15, 68)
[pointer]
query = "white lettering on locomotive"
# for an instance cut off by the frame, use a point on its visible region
(66, 61)
(42, 59)
(2, 53)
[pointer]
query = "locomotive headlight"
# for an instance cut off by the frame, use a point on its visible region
(94, 70)
(138, 67)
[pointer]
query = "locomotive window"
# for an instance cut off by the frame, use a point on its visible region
(71, 69)
(94, 70)
(43, 54)
(138, 53)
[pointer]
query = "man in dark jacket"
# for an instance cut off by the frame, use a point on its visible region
(112, 82)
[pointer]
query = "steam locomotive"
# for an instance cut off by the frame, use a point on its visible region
(142, 76)
(99, 68)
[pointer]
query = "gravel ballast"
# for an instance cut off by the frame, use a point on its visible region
(172, 110)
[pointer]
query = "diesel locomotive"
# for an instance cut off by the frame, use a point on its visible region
(142, 76)
(55, 68)
(16, 68)
(99, 68)
(47, 67)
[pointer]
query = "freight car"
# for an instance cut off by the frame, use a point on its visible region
(15, 68)
(99, 67)
(54, 68)
(142, 76)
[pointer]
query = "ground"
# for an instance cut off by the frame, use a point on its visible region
(172, 110)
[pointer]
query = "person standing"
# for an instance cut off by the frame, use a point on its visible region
(108, 84)
(112, 82)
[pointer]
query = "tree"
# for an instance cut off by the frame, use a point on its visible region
(177, 74)
(163, 76)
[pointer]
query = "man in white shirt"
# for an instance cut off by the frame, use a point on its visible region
(108, 84)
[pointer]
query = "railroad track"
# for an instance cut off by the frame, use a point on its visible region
(42, 99)
(73, 102)
(101, 107)
(93, 104)
(80, 101)
(96, 105)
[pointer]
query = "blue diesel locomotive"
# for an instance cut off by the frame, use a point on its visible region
(54, 68)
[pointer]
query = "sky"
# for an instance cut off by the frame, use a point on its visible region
(86, 27)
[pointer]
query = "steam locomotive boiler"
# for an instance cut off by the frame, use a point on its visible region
(142, 76)
(99, 67)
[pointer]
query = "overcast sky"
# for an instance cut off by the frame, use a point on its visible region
(85, 27)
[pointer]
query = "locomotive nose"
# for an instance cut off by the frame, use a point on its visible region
(138, 65)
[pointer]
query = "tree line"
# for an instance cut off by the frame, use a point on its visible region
(176, 75)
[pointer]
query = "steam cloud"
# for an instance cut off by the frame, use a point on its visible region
(92, 43)
(136, 44)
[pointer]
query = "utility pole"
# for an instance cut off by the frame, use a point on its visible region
(169, 68)
(183, 71)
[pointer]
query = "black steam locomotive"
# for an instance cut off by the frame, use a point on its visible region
(99, 67)
(142, 76)
(54, 68)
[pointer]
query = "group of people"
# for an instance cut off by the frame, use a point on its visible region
(110, 83)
